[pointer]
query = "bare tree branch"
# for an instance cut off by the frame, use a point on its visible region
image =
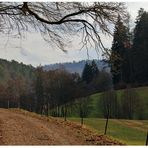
(58, 22)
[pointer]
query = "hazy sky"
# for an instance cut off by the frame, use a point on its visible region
(34, 50)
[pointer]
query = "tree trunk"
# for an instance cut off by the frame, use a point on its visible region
(106, 125)
(147, 139)
(82, 121)
(48, 109)
(8, 103)
(58, 114)
(65, 114)
(18, 105)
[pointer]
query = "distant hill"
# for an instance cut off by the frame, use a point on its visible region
(77, 67)
(13, 69)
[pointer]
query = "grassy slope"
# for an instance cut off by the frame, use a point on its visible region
(94, 99)
(131, 132)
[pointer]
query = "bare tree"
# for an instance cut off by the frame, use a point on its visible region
(147, 139)
(82, 106)
(58, 21)
(108, 99)
(130, 103)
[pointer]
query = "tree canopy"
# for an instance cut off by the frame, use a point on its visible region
(140, 46)
(118, 53)
(90, 71)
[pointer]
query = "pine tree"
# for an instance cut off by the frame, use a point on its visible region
(90, 71)
(118, 54)
(94, 68)
(87, 73)
(140, 48)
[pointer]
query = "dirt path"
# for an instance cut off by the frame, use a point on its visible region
(24, 128)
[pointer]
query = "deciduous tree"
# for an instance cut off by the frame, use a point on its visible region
(59, 21)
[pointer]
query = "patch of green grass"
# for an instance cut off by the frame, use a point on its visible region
(130, 132)
(95, 109)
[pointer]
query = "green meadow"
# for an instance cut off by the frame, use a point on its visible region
(130, 132)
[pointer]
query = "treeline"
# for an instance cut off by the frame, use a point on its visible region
(77, 67)
(129, 54)
(47, 91)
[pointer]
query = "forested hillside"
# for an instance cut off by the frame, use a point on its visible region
(14, 70)
(77, 67)
(37, 90)
(15, 82)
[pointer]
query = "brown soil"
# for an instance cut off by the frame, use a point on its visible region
(19, 127)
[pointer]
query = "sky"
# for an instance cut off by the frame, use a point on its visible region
(35, 51)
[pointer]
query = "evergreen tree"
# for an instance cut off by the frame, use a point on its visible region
(140, 48)
(94, 68)
(118, 54)
(87, 73)
(90, 71)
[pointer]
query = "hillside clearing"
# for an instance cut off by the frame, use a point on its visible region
(18, 127)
